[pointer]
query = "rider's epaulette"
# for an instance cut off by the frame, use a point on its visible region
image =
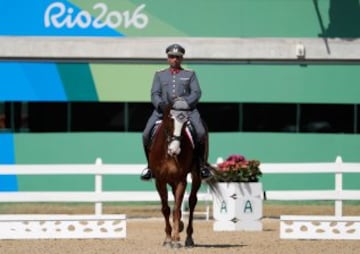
(188, 70)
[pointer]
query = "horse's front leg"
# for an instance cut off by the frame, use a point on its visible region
(165, 209)
(196, 183)
(178, 226)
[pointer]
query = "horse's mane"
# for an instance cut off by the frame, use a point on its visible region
(166, 113)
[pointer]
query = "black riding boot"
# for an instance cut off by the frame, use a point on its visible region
(205, 172)
(146, 174)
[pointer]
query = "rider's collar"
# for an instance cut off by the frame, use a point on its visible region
(175, 70)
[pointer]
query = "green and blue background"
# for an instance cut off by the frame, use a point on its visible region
(221, 82)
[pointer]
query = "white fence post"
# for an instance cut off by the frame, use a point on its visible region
(338, 185)
(98, 186)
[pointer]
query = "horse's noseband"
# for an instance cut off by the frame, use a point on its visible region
(178, 138)
(171, 137)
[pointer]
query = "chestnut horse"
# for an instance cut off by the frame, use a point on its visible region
(171, 159)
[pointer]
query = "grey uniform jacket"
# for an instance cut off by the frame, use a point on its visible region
(166, 87)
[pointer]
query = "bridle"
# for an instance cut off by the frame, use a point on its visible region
(180, 117)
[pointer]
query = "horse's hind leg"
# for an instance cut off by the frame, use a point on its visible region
(165, 209)
(195, 186)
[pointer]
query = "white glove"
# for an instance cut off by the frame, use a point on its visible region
(180, 104)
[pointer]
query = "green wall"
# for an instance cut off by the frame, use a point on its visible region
(280, 83)
(236, 82)
(126, 148)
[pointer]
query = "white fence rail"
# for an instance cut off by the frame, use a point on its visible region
(99, 170)
(99, 196)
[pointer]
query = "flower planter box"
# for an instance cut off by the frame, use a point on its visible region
(237, 206)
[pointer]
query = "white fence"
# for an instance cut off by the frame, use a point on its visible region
(76, 226)
(99, 196)
(338, 194)
(318, 227)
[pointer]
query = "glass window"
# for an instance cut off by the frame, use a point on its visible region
(139, 113)
(97, 116)
(47, 117)
(327, 118)
(267, 117)
(220, 117)
(2, 117)
(13, 116)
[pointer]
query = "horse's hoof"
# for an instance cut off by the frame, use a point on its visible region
(176, 245)
(181, 226)
(167, 244)
(189, 243)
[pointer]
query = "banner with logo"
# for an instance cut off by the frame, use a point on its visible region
(201, 18)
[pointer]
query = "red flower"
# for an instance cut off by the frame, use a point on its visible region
(236, 158)
(237, 169)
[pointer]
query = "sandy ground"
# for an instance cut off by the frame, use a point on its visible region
(145, 234)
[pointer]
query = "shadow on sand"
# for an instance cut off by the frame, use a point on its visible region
(219, 246)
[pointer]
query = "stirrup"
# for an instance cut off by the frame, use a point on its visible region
(146, 174)
(205, 173)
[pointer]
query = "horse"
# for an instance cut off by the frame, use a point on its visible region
(171, 159)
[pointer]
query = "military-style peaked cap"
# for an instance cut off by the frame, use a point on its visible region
(175, 50)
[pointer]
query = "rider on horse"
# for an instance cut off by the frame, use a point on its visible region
(170, 85)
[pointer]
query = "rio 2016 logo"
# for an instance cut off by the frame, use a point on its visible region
(58, 15)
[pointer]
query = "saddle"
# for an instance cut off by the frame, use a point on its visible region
(189, 130)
